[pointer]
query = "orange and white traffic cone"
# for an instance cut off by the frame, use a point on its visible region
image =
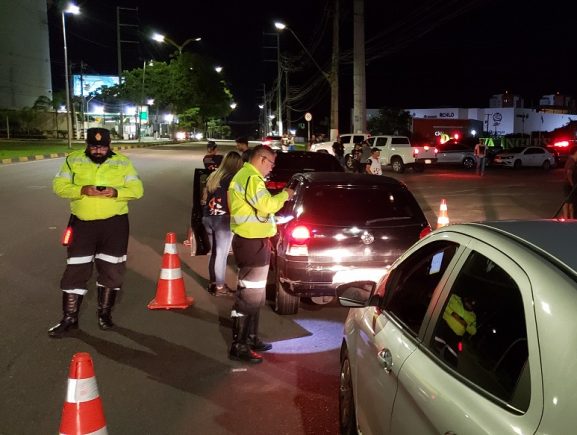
(443, 219)
(170, 291)
(82, 412)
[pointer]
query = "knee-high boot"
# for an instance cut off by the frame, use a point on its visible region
(70, 306)
(240, 350)
(254, 341)
(106, 299)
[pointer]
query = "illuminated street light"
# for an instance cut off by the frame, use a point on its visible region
(282, 26)
(75, 10)
(218, 69)
(233, 106)
(162, 38)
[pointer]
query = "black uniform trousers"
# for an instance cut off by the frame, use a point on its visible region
(252, 257)
(103, 243)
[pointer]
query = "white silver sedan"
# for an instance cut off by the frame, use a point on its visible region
(472, 331)
(518, 157)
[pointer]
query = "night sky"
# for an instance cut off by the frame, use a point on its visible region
(450, 53)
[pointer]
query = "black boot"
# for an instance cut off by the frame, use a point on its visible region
(254, 342)
(106, 299)
(240, 350)
(70, 306)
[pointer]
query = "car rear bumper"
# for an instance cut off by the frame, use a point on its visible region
(304, 279)
(426, 160)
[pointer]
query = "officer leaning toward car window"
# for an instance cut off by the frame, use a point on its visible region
(252, 209)
(99, 183)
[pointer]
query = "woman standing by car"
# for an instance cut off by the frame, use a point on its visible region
(216, 220)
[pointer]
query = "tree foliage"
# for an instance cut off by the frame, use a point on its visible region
(390, 121)
(187, 85)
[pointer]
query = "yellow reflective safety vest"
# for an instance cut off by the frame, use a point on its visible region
(458, 318)
(252, 207)
(78, 171)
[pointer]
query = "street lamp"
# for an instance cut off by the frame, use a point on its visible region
(218, 69)
(162, 38)
(331, 78)
(70, 9)
(282, 26)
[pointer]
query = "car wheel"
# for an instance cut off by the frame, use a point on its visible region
(469, 163)
(347, 417)
(418, 167)
(546, 165)
(284, 303)
(517, 164)
(398, 165)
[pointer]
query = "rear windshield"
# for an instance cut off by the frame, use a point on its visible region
(313, 162)
(360, 205)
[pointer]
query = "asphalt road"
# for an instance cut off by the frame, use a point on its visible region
(167, 372)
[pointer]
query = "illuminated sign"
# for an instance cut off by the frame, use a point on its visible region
(91, 83)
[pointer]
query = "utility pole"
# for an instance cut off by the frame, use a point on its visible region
(288, 110)
(119, 52)
(279, 88)
(359, 84)
(334, 75)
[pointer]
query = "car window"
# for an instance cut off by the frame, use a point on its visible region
(410, 286)
(381, 142)
(345, 139)
(482, 333)
(360, 205)
(400, 141)
(358, 139)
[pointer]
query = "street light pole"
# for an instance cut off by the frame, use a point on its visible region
(71, 9)
(331, 78)
(279, 90)
(162, 38)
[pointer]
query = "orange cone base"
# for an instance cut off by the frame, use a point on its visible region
(154, 305)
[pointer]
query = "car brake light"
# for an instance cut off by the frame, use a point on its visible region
(561, 144)
(436, 151)
(298, 238)
(426, 147)
(275, 185)
(415, 152)
(425, 231)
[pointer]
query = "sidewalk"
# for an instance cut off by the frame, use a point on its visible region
(116, 146)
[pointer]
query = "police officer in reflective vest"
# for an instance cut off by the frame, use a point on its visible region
(252, 209)
(99, 183)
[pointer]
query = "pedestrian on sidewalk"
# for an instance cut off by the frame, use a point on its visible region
(99, 183)
(373, 164)
(252, 209)
(212, 159)
(216, 221)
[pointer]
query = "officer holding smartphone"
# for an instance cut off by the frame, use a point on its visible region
(99, 183)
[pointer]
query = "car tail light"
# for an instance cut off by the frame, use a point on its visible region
(275, 185)
(561, 144)
(298, 237)
(436, 151)
(426, 147)
(425, 231)
(415, 152)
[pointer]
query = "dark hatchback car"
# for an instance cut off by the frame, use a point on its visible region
(337, 222)
(286, 165)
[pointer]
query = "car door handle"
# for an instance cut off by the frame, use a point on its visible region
(386, 359)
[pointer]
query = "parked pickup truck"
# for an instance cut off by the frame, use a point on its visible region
(397, 152)
(348, 140)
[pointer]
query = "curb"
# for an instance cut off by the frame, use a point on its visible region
(57, 155)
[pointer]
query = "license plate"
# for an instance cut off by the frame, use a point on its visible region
(427, 161)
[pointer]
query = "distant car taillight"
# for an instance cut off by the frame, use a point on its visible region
(298, 238)
(561, 144)
(415, 152)
(425, 231)
(275, 185)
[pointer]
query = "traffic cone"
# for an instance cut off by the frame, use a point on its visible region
(170, 291)
(443, 219)
(82, 412)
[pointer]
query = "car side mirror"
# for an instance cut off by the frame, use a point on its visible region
(355, 294)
